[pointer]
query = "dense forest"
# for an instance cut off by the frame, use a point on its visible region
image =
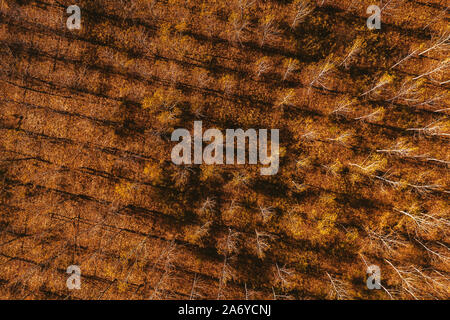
(86, 177)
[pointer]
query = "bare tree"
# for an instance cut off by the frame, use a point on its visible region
(266, 213)
(239, 25)
(373, 116)
(413, 52)
(409, 92)
(196, 284)
(436, 128)
(321, 73)
(262, 243)
(291, 66)
(440, 43)
(400, 148)
(354, 50)
(301, 8)
(262, 66)
(389, 241)
(439, 70)
(383, 81)
(166, 258)
(268, 29)
(419, 284)
(424, 223)
(230, 250)
(343, 107)
(339, 289)
(343, 139)
(283, 275)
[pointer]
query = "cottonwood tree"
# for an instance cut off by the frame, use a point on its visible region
(343, 107)
(419, 284)
(424, 223)
(439, 128)
(373, 116)
(301, 9)
(283, 276)
(290, 65)
(267, 28)
(239, 25)
(401, 148)
(356, 48)
(375, 90)
(414, 51)
(409, 92)
(339, 289)
(437, 72)
(321, 73)
(262, 66)
(439, 43)
(262, 243)
(230, 249)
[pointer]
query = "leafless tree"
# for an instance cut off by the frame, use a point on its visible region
(343, 107)
(383, 81)
(268, 29)
(321, 73)
(400, 148)
(281, 296)
(408, 93)
(373, 116)
(418, 284)
(196, 284)
(413, 52)
(208, 205)
(439, 70)
(389, 241)
(383, 287)
(262, 66)
(239, 26)
(354, 50)
(283, 275)
(291, 66)
(165, 259)
(436, 252)
(230, 250)
(436, 128)
(302, 8)
(262, 243)
(339, 289)
(440, 43)
(343, 139)
(266, 213)
(425, 223)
